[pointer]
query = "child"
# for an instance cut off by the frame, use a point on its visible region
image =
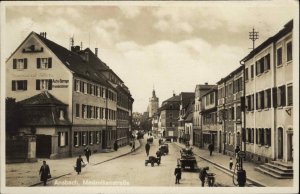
(230, 163)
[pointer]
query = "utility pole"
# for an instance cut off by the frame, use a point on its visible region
(253, 36)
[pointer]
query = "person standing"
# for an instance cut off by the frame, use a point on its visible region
(202, 175)
(79, 163)
(116, 147)
(147, 147)
(211, 149)
(177, 174)
(133, 146)
(44, 172)
(230, 163)
(87, 153)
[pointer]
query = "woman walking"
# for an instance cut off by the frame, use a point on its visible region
(79, 163)
(45, 172)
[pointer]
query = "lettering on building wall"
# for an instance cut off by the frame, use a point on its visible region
(60, 83)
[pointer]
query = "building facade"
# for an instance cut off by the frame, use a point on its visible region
(92, 93)
(230, 91)
(210, 128)
(196, 130)
(269, 99)
(168, 120)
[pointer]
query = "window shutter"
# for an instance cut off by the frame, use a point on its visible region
(13, 85)
(262, 65)
(49, 62)
(75, 82)
(50, 84)
(14, 63)
(274, 93)
(66, 138)
(82, 111)
(59, 141)
(38, 63)
(25, 84)
(38, 84)
(256, 67)
(256, 100)
(79, 138)
(268, 61)
(283, 100)
(25, 63)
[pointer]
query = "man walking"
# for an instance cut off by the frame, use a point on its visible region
(147, 147)
(211, 149)
(202, 175)
(87, 153)
(133, 146)
(177, 174)
(44, 172)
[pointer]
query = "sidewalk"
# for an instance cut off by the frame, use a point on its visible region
(27, 174)
(253, 176)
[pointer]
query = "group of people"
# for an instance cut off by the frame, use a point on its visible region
(45, 169)
(202, 176)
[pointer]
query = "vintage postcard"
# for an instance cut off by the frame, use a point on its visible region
(150, 96)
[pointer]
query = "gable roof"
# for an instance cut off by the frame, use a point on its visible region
(74, 61)
(43, 98)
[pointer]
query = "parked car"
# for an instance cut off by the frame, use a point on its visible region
(164, 149)
(152, 160)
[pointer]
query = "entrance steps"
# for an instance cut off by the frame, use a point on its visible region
(277, 169)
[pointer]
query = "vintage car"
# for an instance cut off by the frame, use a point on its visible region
(188, 159)
(164, 149)
(150, 139)
(152, 160)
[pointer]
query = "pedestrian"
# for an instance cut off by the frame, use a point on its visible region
(202, 175)
(133, 146)
(230, 163)
(44, 172)
(116, 147)
(236, 151)
(87, 153)
(211, 149)
(177, 174)
(147, 147)
(79, 163)
(158, 155)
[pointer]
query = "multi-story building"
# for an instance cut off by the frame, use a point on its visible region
(196, 130)
(230, 91)
(168, 120)
(185, 101)
(188, 123)
(209, 127)
(41, 72)
(153, 104)
(269, 99)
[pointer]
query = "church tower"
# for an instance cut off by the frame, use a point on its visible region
(153, 104)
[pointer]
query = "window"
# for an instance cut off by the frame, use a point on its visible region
(246, 74)
(77, 110)
(44, 63)
(238, 113)
(290, 95)
(281, 101)
(85, 87)
(243, 134)
(61, 115)
(20, 63)
(84, 138)
(232, 113)
(77, 85)
(261, 100)
(267, 98)
(77, 136)
(62, 139)
(19, 85)
(91, 137)
(44, 84)
(252, 71)
(289, 51)
(279, 56)
(98, 137)
(267, 62)
(261, 136)
(252, 136)
(84, 111)
(268, 137)
(248, 135)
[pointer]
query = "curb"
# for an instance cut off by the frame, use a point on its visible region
(251, 180)
(138, 147)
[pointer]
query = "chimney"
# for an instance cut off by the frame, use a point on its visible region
(43, 34)
(206, 83)
(96, 52)
(75, 49)
(86, 56)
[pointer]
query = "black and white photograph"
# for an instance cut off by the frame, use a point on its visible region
(149, 96)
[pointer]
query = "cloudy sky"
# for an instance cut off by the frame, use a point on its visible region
(172, 47)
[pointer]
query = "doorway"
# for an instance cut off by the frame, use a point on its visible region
(280, 143)
(290, 146)
(43, 146)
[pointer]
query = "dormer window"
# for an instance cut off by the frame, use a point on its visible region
(61, 115)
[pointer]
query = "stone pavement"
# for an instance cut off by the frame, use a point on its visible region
(253, 176)
(27, 174)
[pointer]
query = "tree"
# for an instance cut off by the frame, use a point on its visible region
(13, 116)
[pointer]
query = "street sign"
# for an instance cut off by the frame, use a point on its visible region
(242, 154)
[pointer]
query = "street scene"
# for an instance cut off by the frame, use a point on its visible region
(149, 96)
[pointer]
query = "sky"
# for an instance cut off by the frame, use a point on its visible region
(171, 47)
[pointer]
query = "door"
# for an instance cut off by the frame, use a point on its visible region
(104, 138)
(280, 143)
(290, 146)
(43, 146)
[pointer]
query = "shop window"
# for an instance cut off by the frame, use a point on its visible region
(77, 136)
(84, 138)
(91, 137)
